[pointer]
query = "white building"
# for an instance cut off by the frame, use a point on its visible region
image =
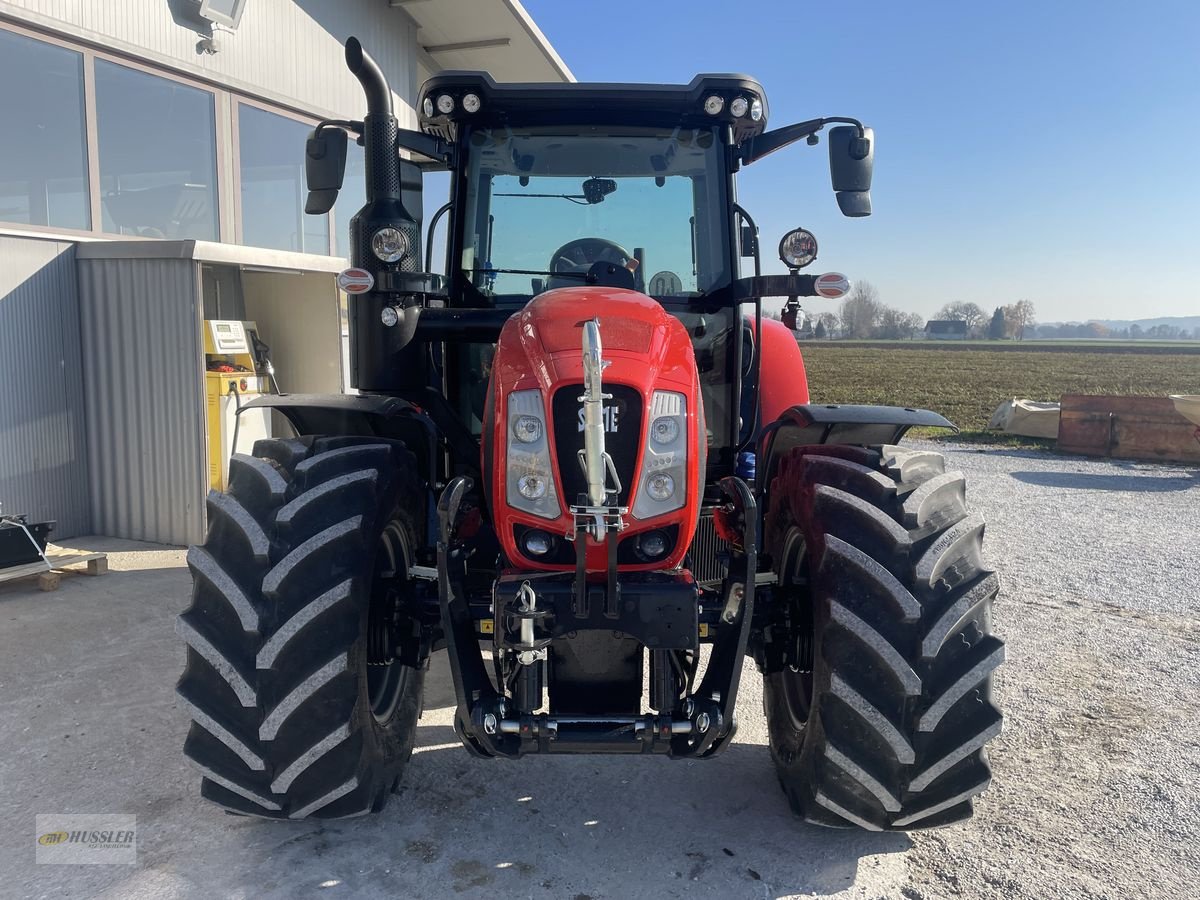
(172, 132)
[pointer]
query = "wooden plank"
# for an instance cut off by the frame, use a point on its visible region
(22, 571)
(97, 564)
(1126, 427)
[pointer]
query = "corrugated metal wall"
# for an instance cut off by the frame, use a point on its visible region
(43, 464)
(144, 397)
(287, 50)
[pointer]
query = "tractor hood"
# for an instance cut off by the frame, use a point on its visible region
(644, 343)
(536, 422)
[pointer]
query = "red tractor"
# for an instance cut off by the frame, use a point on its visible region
(584, 465)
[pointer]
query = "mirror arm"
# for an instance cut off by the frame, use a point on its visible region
(426, 145)
(344, 124)
(416, 141)
(758, 147)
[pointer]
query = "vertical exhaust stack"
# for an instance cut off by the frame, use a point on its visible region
(381, 358)
(380, 126)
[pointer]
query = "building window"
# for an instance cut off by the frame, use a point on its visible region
(351, 198)
(158, 160)
(271, 150)
(43, 156)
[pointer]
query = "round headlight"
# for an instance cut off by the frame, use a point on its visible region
(527, 429)
(798, 248)
(388, 316)
(389, 244)
(664, 429)
(471, 103)
(445, 104)
(739, 106)
(714, 104)
(538, 542)
(653, 544)
(756, 110)
(427, 107)
(531, 486)
(660, 486)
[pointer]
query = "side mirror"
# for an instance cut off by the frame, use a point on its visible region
(792, 315)
(324, 168)
(749, 241)
(851, 164)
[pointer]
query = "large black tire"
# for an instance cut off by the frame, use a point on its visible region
(880, 710)
(288, 718)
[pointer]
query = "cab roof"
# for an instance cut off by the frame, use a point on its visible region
(590, 103)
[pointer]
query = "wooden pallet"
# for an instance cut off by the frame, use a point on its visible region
(97, 564)
(1127, 427)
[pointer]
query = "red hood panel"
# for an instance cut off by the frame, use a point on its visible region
(641, 339)
(629, 324)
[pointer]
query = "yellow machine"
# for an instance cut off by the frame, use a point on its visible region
(234, 375)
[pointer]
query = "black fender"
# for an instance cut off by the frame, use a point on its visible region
(421, 429)
(816, 423)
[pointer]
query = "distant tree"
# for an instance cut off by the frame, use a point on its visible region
(1022, 314)
(821, 332)
(831, 322)
(1135, 332)
(1096, 330)
(913, 324)
(971, 313)
(891, 324)
(998, 327)
(860, 311)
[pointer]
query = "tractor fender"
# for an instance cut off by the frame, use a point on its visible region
(847, 425)
(783, 382)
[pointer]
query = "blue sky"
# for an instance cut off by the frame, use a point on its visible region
(1048, 151)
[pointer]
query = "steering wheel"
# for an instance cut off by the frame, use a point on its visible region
(579, 255)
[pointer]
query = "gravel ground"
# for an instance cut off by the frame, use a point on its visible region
(1096, 775)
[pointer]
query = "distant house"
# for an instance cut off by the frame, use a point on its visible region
(946, 330)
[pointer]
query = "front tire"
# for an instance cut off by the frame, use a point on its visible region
(879, 703)
(299, 590)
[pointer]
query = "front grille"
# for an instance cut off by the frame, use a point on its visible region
(622, 436)
(707, 569)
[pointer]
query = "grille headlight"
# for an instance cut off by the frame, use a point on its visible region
(756, 110)
(739, 106)
(427, 107)
(529, 484)
(660, 486)
(662, 481)
(664, 429)
(714, 104)
(389, 244)
(527, 429)
(445, 104)
(471, 103)
(537, 542)
(532, 486)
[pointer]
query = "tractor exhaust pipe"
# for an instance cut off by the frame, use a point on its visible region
(370, 76)
(379, 125)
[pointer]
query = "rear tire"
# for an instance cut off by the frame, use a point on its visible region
(879, 709)
(306, 557)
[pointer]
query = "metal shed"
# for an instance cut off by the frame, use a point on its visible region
(142, 305)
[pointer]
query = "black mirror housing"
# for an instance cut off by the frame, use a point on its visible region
(324, 168)
(854, 204)
(852, 162)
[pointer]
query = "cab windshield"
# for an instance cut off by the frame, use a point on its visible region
(542, 207)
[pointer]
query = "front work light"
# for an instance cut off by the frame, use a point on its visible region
(389, 244)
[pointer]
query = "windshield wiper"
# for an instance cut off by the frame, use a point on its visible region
(574, 198)
(579, 275)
